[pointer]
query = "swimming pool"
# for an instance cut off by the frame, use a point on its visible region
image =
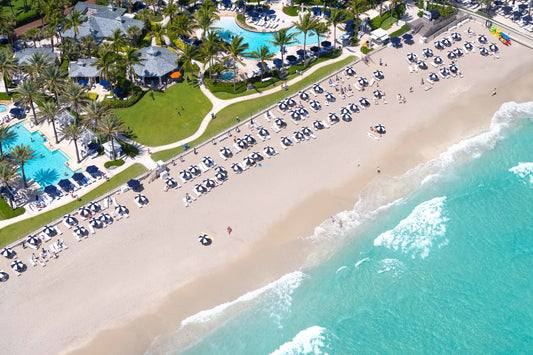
(227, 75)
(3, 108)
(228, 28)
(47, 168)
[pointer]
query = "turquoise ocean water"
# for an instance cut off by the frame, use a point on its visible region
(446, 267)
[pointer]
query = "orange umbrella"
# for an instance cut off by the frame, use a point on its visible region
(175, 75)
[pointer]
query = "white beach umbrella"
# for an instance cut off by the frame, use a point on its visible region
(221, 177)
(209, 183)
(193, 169)
(236, 168)
(18, 265)
(378, 74)
(362, 81)
(296, 115)
(428, 52)
(84, 211)
(291, 102)
(70, 220)
(170, 182)
(286, 141)
(3, 276)
(49, 231)
(96, 222)
(453, 68)
(353, 107)
(247, 161)
(363, 101)
(444, 71)
(378, 94)
(186, 175)
(263, 132)
(446, 42)
(439, 45)
(105, 218)
(8, 253)
(307, 131)
(208, 161)
(482, 39)
(458, 52)
(422, 64)
(220, 169)
(283, 106)
(468, 46)
(249, 139)
(298, 136)
(304, 96)
(483, 51)
(318, 124)
(315, 104)
(226, 152)
(80, 231)
(270, 151)
(302, 111)
(346, 117)
(94, 207)
(344, 110)
(433, 77)
(437, 60)
(318, 88)
(205, 239)
(121, 209)
(451, 55)
(140, 198)
(350, 71)
(493, 47)
(330, 97)
(256, 156)
(280, 122)
(380, 129)
(456, 36)
(333, 117)
(412, 57)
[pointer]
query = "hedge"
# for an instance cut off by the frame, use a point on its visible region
(118, 162)
(366, 50)
(132, 100)
(400, 32)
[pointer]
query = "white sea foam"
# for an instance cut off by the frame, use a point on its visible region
(523, 171)
(393, 265)
(361, 261)
(340, 269)
(284, 287)
(308, 341)
(416, 234)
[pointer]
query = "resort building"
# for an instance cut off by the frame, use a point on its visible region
(84, 70)
(23, 55)
(157, 63)
(101, 21)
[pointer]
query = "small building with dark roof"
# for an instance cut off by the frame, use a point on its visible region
(84, 69)
(23, 55)
(157, 62)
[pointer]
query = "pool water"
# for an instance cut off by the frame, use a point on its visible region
(227, 75)
(228, 28)
(3, 108)
(47, 168)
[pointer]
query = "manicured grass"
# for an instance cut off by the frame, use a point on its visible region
(154, 119)
(20, 229)
(6, 212)
(226, 118)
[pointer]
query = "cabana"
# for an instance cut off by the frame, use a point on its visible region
(379, 36)
(84, 69)
(156, 62)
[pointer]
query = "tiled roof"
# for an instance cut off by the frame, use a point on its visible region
(23, 55)
(158, 61)
(83, 68)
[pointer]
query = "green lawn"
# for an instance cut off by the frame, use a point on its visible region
(154, 119)
(20, 229)
(6, 212)
(226, 118)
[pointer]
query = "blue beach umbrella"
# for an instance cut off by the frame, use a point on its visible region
(407, 37)
(134, 183)
(92, 169)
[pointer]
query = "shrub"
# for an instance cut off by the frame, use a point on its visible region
(92, 95)
(420, 13)
(132, 100)
(130, 150)
(366, 50)
(118, 162)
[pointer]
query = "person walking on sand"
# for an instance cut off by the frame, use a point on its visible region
(229, 230)
(494, 92)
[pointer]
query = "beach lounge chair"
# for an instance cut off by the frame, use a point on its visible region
(76, 236)
(44, 237)
(236, 148)
(275, 128)
(203, 167)
(185, 203)
(106, 203)
(114, 200)
(32, 262)
(91, 229)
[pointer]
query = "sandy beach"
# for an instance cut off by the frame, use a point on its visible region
(139, 277)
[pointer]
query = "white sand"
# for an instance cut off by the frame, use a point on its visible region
(142, 275)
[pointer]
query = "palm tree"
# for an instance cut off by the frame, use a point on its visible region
(7, 135)
(236, 49)
(170, 10)
(27, 93)
(74, 131)
(8, 67)
(262, 54)
(337, 17)
(36, 64)
(48, 111)
(209, 49)
(283, 38)
(205, 17)
(305, 24)
(189, 53)
(129, 59)
(74, 20)
(111, 127)
(76, 97)
(34, 34)
(22, 154)
(133, 33)
(8, 173)
(158, 31)
(356, 6)
(320, 30)
(87, 41)
(118, 39)
(182, 25)
(95, 112)
(54, 79)
(105, 61)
